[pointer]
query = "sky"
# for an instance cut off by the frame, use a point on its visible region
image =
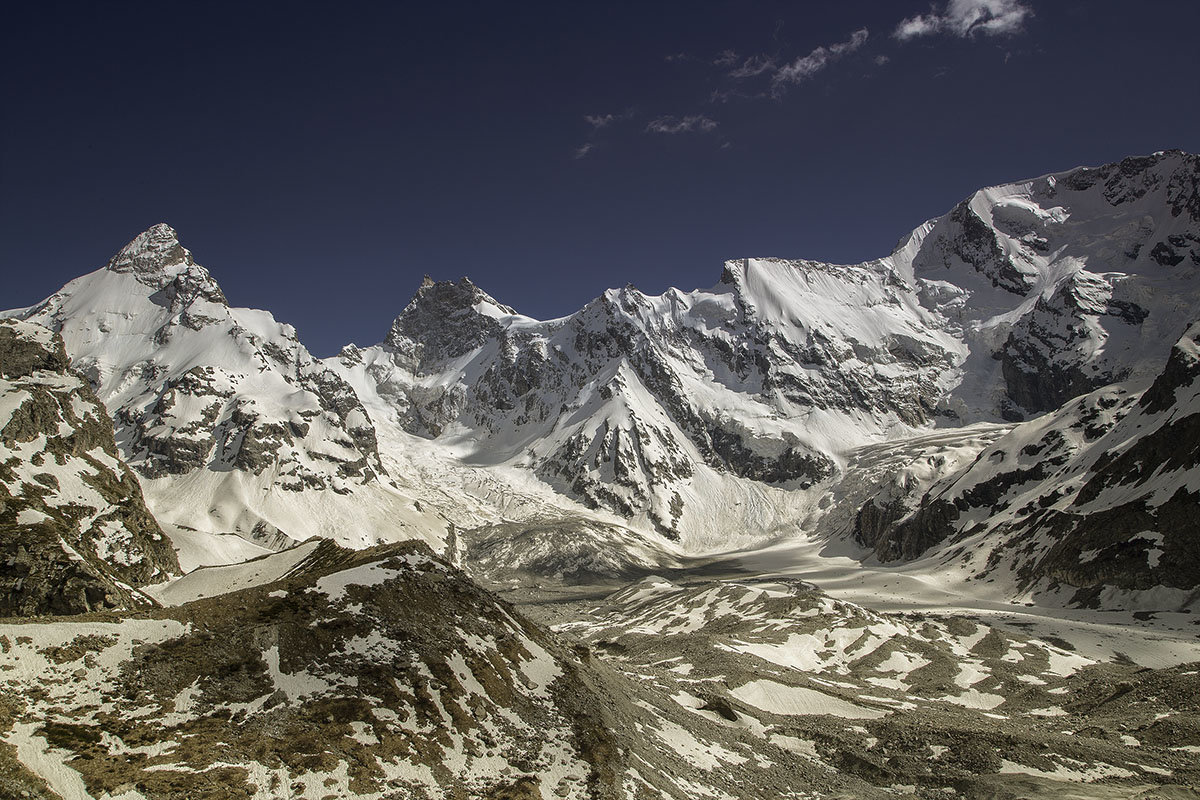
(320, 159)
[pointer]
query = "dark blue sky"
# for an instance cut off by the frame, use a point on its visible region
(319, 159)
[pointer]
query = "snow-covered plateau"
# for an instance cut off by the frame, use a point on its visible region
(925, 525)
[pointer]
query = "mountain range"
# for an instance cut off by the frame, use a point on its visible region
(923, 525)
(692, 422)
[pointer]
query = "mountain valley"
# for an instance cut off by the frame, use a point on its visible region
(922, 526)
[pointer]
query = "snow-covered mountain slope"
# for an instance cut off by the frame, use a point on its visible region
(1065, 283)
(1098, 498)
(696, 414)
(643, 406)
(75, 534)
(715, 418)
(233, 426)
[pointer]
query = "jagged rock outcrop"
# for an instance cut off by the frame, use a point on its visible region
(75, 534)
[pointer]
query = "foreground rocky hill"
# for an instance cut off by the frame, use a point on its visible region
(75, 534)
(340, 673)
(323, 672)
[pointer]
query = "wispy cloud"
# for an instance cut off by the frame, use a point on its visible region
(753, 67)
(599, 121)
(807, 66)
(727, 58)
(966, 18)
(689, 124)
(784, 73)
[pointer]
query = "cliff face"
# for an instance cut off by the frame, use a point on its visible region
(75, 532)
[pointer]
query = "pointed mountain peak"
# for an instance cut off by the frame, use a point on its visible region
(157, 259)
(446, 319)
(151, 252)
(451, 297)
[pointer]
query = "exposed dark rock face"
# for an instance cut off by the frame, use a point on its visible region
(441, 323)
(76, 533)
(892, 539)
(976, 245)
(1097, 497)
(1045, 359)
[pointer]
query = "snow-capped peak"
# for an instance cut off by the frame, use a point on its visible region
(446, 320)
(231, 421)
(156, 258)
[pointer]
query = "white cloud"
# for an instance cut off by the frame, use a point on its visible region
(967, 18)
(805, 67)
(881, 60)
(753, 67)
(727, 58)
(689, 124)
(584, 149)
(598, 121)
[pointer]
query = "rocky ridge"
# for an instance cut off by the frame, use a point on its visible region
(1097, 499)
(76, 533)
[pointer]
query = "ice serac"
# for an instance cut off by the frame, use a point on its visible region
(234, 425)
(1096, 500)
(75, 534)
